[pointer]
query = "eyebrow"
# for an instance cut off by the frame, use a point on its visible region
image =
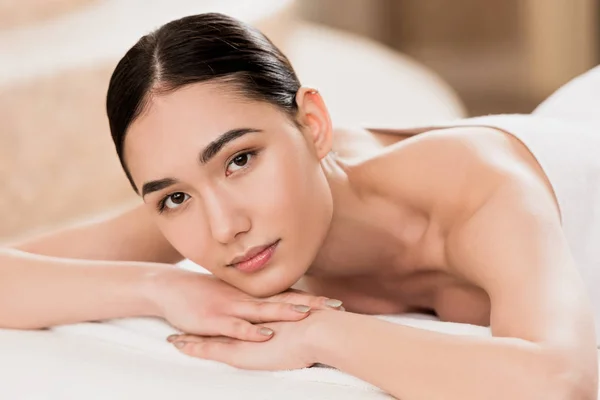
(208, 153)
(216, 145)
(155, 186)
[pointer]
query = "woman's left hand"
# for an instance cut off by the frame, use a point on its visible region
(287, 349)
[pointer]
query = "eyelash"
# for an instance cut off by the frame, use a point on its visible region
(161, 208)
(251, 153)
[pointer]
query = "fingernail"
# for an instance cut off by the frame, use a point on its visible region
(179, 345)
(172, 337)
(265, 331)
(333, 303)
(301, 308)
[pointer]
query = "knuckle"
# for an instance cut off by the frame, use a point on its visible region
(198, 349)
(267, 305)
(240, 327)
(263, 307)
(284, 308)
(319, 300)
(272, 311)
(303, 299)
(192, 349)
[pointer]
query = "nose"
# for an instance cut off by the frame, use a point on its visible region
(226, 219)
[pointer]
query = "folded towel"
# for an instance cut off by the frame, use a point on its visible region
(148, 336)
(130, 359)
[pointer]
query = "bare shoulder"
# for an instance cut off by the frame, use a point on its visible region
(353, 142)
(452, 170)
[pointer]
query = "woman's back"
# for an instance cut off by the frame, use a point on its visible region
(563, 136)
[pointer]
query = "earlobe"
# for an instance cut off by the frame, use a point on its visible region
(314, 116)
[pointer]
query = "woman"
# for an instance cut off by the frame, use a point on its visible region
(241, 172)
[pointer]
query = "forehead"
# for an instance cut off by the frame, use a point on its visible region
(176, 126)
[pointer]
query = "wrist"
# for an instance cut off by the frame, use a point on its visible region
(153, 282)
(319, 335)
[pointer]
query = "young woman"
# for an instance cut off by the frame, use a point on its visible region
(489, 221)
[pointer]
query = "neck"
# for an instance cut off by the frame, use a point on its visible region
(368, 235)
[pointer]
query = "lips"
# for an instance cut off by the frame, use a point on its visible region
(255, 259)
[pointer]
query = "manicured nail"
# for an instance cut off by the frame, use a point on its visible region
(265, 331)
(333, 303)
(301, 308)
(179, 345)
(172, 338)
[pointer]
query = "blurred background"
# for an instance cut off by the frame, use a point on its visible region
(499, 55)
(376, 62)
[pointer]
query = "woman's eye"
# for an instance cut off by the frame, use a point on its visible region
(239, 162)
(176, 199)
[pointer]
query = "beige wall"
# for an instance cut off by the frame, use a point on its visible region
(19, 13)
(501, 56)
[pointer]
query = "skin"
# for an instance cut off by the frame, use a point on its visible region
(461, 223)
(223, 216)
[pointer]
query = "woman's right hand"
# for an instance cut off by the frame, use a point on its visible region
(202, 304)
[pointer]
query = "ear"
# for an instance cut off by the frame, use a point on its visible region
(314, 117)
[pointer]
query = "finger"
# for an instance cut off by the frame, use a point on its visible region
(242, 329)
(268, 311)
(208, 348)
(198, 339)
(231, 327)
(298, 297)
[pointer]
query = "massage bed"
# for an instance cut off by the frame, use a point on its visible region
(130, 359)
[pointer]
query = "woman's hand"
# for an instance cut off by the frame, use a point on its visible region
(288, 349)
(201, 304)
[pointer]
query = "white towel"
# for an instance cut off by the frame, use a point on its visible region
(148, 336)
(130, 359)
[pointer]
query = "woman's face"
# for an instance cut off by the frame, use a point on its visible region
(226, 178)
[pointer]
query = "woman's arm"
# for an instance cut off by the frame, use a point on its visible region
(40, 291)
(129, 235)
(543, 347)
(505, 237)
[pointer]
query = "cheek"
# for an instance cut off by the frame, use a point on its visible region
(295, 202)
(285, 185)
(188, 236)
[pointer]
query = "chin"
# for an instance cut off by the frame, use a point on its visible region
(273, 282)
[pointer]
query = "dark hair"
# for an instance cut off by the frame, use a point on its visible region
(198, 48)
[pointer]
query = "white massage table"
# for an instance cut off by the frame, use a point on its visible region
(131, 359)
